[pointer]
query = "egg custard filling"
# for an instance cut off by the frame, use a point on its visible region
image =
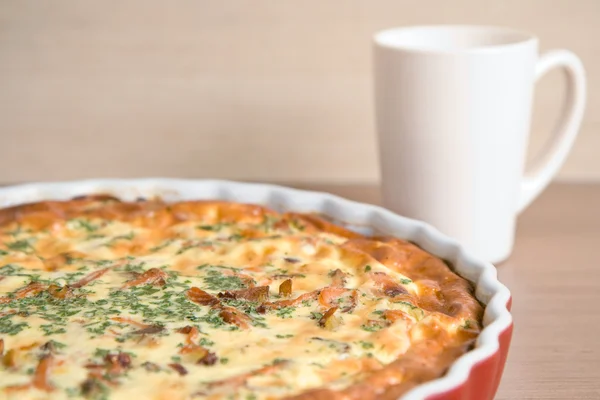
(104, 299)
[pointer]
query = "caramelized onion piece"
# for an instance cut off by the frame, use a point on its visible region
(285, 289)
(205, 357)
(48, 347)
(1, 347)
(329, 321)
(330, 295)
(389, 286)
(9, 359)
(259, 293)
(335, 296)
(240, 380)
(152, 329)
(117, 363)
(229, 314)
(179, 368)
(276, 305)
(187, 330)
(154, 276)
(28, 346)
(40, 376)
(191, 346)
(395, 315)
(89, 278)
(31, 290)
(209, 358)
(60, 292)
(201, 297)
(194, 351)
(338, 278)
(91, 387)
(235, 317)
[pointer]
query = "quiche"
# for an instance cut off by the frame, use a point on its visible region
(105, 299)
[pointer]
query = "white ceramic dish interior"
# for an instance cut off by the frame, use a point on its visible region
(361, 217)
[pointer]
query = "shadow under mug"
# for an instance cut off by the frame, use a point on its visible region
(453, 111)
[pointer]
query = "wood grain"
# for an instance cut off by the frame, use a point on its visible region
(554, 277)
(242, 89)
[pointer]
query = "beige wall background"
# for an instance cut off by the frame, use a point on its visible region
(247, 89)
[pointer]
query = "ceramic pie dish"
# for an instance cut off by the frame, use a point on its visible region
(476, 374)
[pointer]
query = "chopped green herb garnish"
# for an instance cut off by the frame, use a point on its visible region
(371, 328)
(212, 318)
(214, 227)
(115, 239)
(236, 237)
(132, 267)
(295, 225)
(406, 303)
(285, 312)
(57, 345)
(268, 223)
(20, 245)
(469, 324)
(101, 353)
(287, 336)
(185, 248)
(11, 270)
(316, 315)
(161, 246)
(52, 329)
(11, 328)
(82, 224)
(215, 280)
(366, 345)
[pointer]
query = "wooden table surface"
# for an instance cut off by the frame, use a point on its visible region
(554, 277)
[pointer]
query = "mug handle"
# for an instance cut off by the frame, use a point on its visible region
(547, 164)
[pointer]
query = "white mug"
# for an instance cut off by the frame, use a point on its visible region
(453, 110)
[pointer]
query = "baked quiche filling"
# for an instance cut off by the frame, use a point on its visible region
(106, 299)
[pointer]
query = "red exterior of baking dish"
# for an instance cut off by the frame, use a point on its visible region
(485, 376)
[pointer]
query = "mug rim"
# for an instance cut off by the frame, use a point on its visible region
(387, 38)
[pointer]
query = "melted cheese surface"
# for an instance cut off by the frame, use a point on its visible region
(199, 301)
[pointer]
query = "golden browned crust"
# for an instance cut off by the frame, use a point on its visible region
(441, 290)
(445, 292)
